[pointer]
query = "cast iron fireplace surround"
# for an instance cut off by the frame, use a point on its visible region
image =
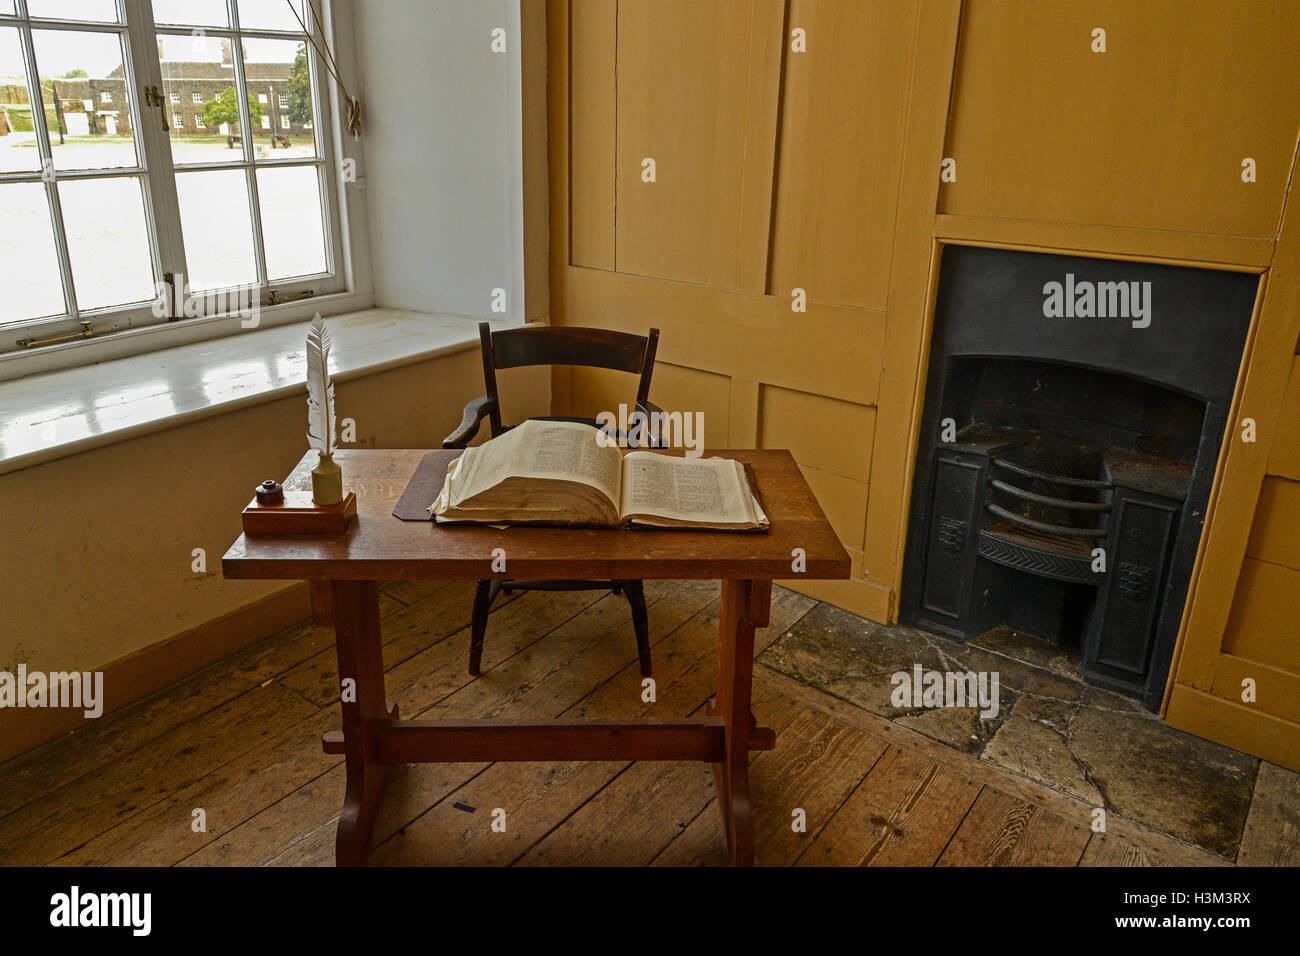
(1066, 495)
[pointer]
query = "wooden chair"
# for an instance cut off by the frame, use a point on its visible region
(593, 348)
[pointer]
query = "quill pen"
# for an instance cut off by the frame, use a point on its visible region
(322, 430)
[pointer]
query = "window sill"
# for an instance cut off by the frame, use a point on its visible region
(157, 336)
(56, 414)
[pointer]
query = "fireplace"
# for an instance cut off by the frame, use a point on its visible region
(1073, 417)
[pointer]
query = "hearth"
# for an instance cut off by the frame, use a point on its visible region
(1074, 414)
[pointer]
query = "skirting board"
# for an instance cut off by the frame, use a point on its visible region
(858, 595)
(138, 675)
(1234, 725)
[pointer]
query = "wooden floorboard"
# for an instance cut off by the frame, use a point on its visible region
(42, 770)
(45, 829)
(1004, 830)
(904, 813)
(513, 628)
(240, 742)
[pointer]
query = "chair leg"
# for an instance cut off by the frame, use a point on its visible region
(635, 592)
(478, 623)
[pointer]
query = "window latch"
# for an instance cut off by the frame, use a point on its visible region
(274, 297)
(86, 333)
(152, 97)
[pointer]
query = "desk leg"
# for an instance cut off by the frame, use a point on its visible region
(320, 602)
(744, 606)
(356, 636)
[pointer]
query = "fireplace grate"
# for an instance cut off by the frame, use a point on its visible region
(1043, 525)
(1044, 532)
(1044, 476)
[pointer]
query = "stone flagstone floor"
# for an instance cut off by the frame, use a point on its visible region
(1050, 725)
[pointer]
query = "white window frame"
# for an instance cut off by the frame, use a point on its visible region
(198, 121)
(105, 96)
(155, 169)
(196, 97)
(178, 121)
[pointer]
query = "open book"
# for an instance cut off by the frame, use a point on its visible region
(561, 473)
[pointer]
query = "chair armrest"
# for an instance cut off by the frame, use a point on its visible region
(475, 412)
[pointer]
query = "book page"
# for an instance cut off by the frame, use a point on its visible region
(536, 449)
(695, 490)
(571, 450)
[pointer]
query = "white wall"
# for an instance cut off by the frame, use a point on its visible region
(443, 148)
(97, 552)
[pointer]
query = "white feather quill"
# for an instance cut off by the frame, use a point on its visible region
(322, 429)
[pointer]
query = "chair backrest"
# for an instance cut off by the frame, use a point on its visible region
(561, 345)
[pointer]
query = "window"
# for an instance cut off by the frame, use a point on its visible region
(261, 98)
(284, 121)
(131, 202)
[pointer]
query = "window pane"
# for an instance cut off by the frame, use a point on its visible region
(84, 86)
(203, 13)
(273, 15)
(100, 10)
(199, 92)
(18, 150)
(218, 228)
(32, 287)
(293, 233)
(108, 242)
(279, 98)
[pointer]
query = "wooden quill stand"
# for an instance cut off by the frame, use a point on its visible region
(299, 514)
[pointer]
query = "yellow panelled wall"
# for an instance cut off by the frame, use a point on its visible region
(780, 172)
(1150, 134)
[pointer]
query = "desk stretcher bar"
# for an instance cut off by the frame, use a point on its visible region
(478, 741)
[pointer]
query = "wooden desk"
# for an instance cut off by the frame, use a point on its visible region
(380, 547)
